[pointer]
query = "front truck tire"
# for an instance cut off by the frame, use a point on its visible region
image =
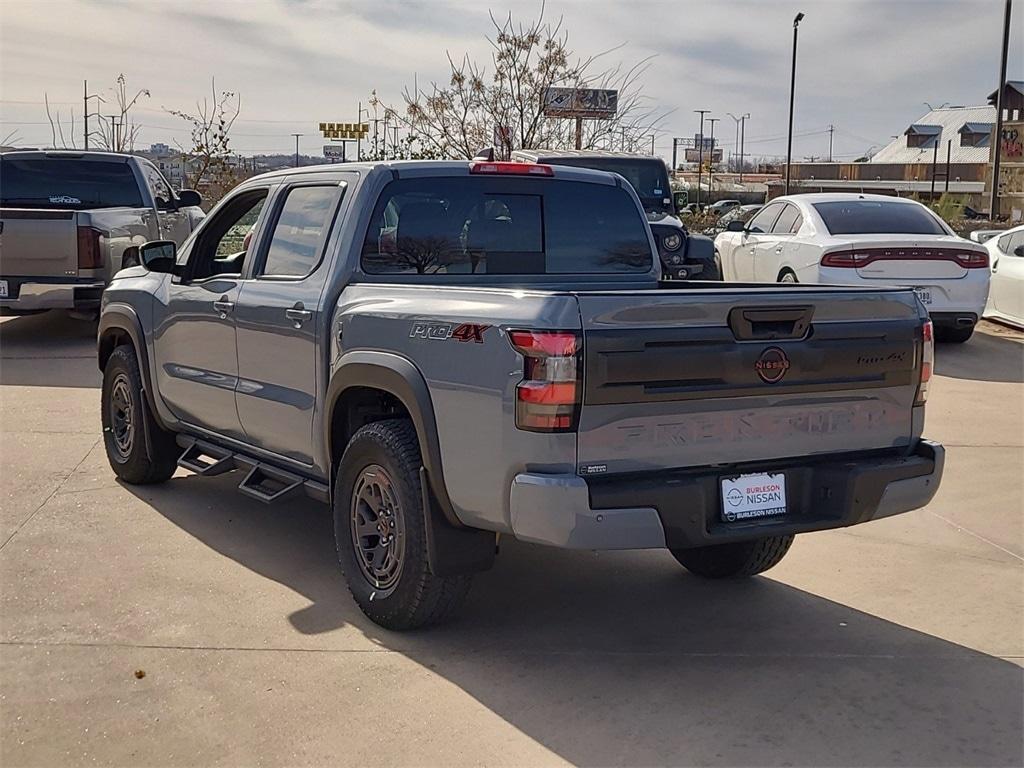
(380, 531)
(734, 561)
(139, 450)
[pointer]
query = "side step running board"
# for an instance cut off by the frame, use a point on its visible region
(206, 460)
(262, 481)
(268, 484)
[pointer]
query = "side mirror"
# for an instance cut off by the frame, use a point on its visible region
(735, 226)
(679, 200)
(189, 197)
(158, 256)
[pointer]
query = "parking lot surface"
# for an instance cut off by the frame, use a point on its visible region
(185, 624)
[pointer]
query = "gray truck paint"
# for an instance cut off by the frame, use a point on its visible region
(254, 383)
(39, 246)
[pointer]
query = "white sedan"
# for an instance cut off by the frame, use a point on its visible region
(1006, 299)
(851, 239)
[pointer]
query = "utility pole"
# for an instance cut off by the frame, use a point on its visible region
(675, 143)
(949, 152)
(831, 130)
(711, 160)
(700, 152)
(113, 133)
(297, 135)
(579, 133)
(359, 135)
(792, 92)
(935, 160)
(994, 206)
(652, 144)
(85, 111)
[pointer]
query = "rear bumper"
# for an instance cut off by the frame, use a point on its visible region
(681, 508)
(31, 294)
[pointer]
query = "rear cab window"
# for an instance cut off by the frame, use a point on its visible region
(67, 182)
(878, 217)
(487, 225)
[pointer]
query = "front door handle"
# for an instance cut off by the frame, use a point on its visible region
(223, 306)
(298, 315)
(779, 249)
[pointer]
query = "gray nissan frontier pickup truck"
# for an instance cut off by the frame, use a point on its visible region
(451, 352)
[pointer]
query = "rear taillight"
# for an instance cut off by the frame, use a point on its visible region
(548, 397)
(927, 361)
(90, 254)
(512, 169)
(864, 256)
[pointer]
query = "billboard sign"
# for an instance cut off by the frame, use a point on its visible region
(592, 103)
(696, 156)
(344, 130)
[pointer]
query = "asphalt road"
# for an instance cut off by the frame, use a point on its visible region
(187, 625)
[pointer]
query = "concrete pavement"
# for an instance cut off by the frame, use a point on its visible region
(895, 643)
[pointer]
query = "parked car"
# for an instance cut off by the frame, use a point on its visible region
(741, 214)
(506, 361)
(684, 255)
(984, 235)
(724, 206)
(1006, 297)
(66, 219)
(866, 240)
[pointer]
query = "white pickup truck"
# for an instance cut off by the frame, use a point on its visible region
(66, 219)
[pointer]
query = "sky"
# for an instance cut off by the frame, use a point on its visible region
(867, 67)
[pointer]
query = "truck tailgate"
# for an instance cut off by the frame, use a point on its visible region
(38, 243)
(681, 378)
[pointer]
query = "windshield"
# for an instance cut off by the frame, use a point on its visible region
(67, 182)
(873, 217)
(648, 177)
(487, 225)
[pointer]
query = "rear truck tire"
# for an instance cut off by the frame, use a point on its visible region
(139, 450)
(948, 335)
(787, 276)
(380, 531)
(734, 561)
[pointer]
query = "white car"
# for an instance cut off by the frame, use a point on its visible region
(1006, 298)
(868, 239)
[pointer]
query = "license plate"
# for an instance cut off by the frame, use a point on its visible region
(749, 497)
(3, 289)
(924, 294)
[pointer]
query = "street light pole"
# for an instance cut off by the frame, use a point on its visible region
(792, 92)
(711, 160)
(994, 205)
(700, 151)
(297, 135)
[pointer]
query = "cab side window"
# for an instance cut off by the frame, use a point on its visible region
(158, 186)
(789, 217)
(765, 218)
(301, 230)
(223, 242)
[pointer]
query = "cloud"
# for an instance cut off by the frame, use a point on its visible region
(865, 66)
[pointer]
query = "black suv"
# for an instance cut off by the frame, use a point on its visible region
(684, 256)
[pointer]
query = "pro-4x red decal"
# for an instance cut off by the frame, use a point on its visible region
(470, 332)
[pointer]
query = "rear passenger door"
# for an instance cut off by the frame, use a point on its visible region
(754, 240)
(279, 319)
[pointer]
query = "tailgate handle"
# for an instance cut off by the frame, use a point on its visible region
(766, 324)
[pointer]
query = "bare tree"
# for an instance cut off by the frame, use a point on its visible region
(457, 118)
(207, 161)
(116, 129)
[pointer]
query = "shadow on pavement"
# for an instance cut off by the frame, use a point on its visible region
(624, 659)
(988, 356)
(50, 349)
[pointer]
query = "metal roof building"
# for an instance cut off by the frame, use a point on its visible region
(969, 129)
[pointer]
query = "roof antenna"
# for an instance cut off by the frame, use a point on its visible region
(485, 155)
